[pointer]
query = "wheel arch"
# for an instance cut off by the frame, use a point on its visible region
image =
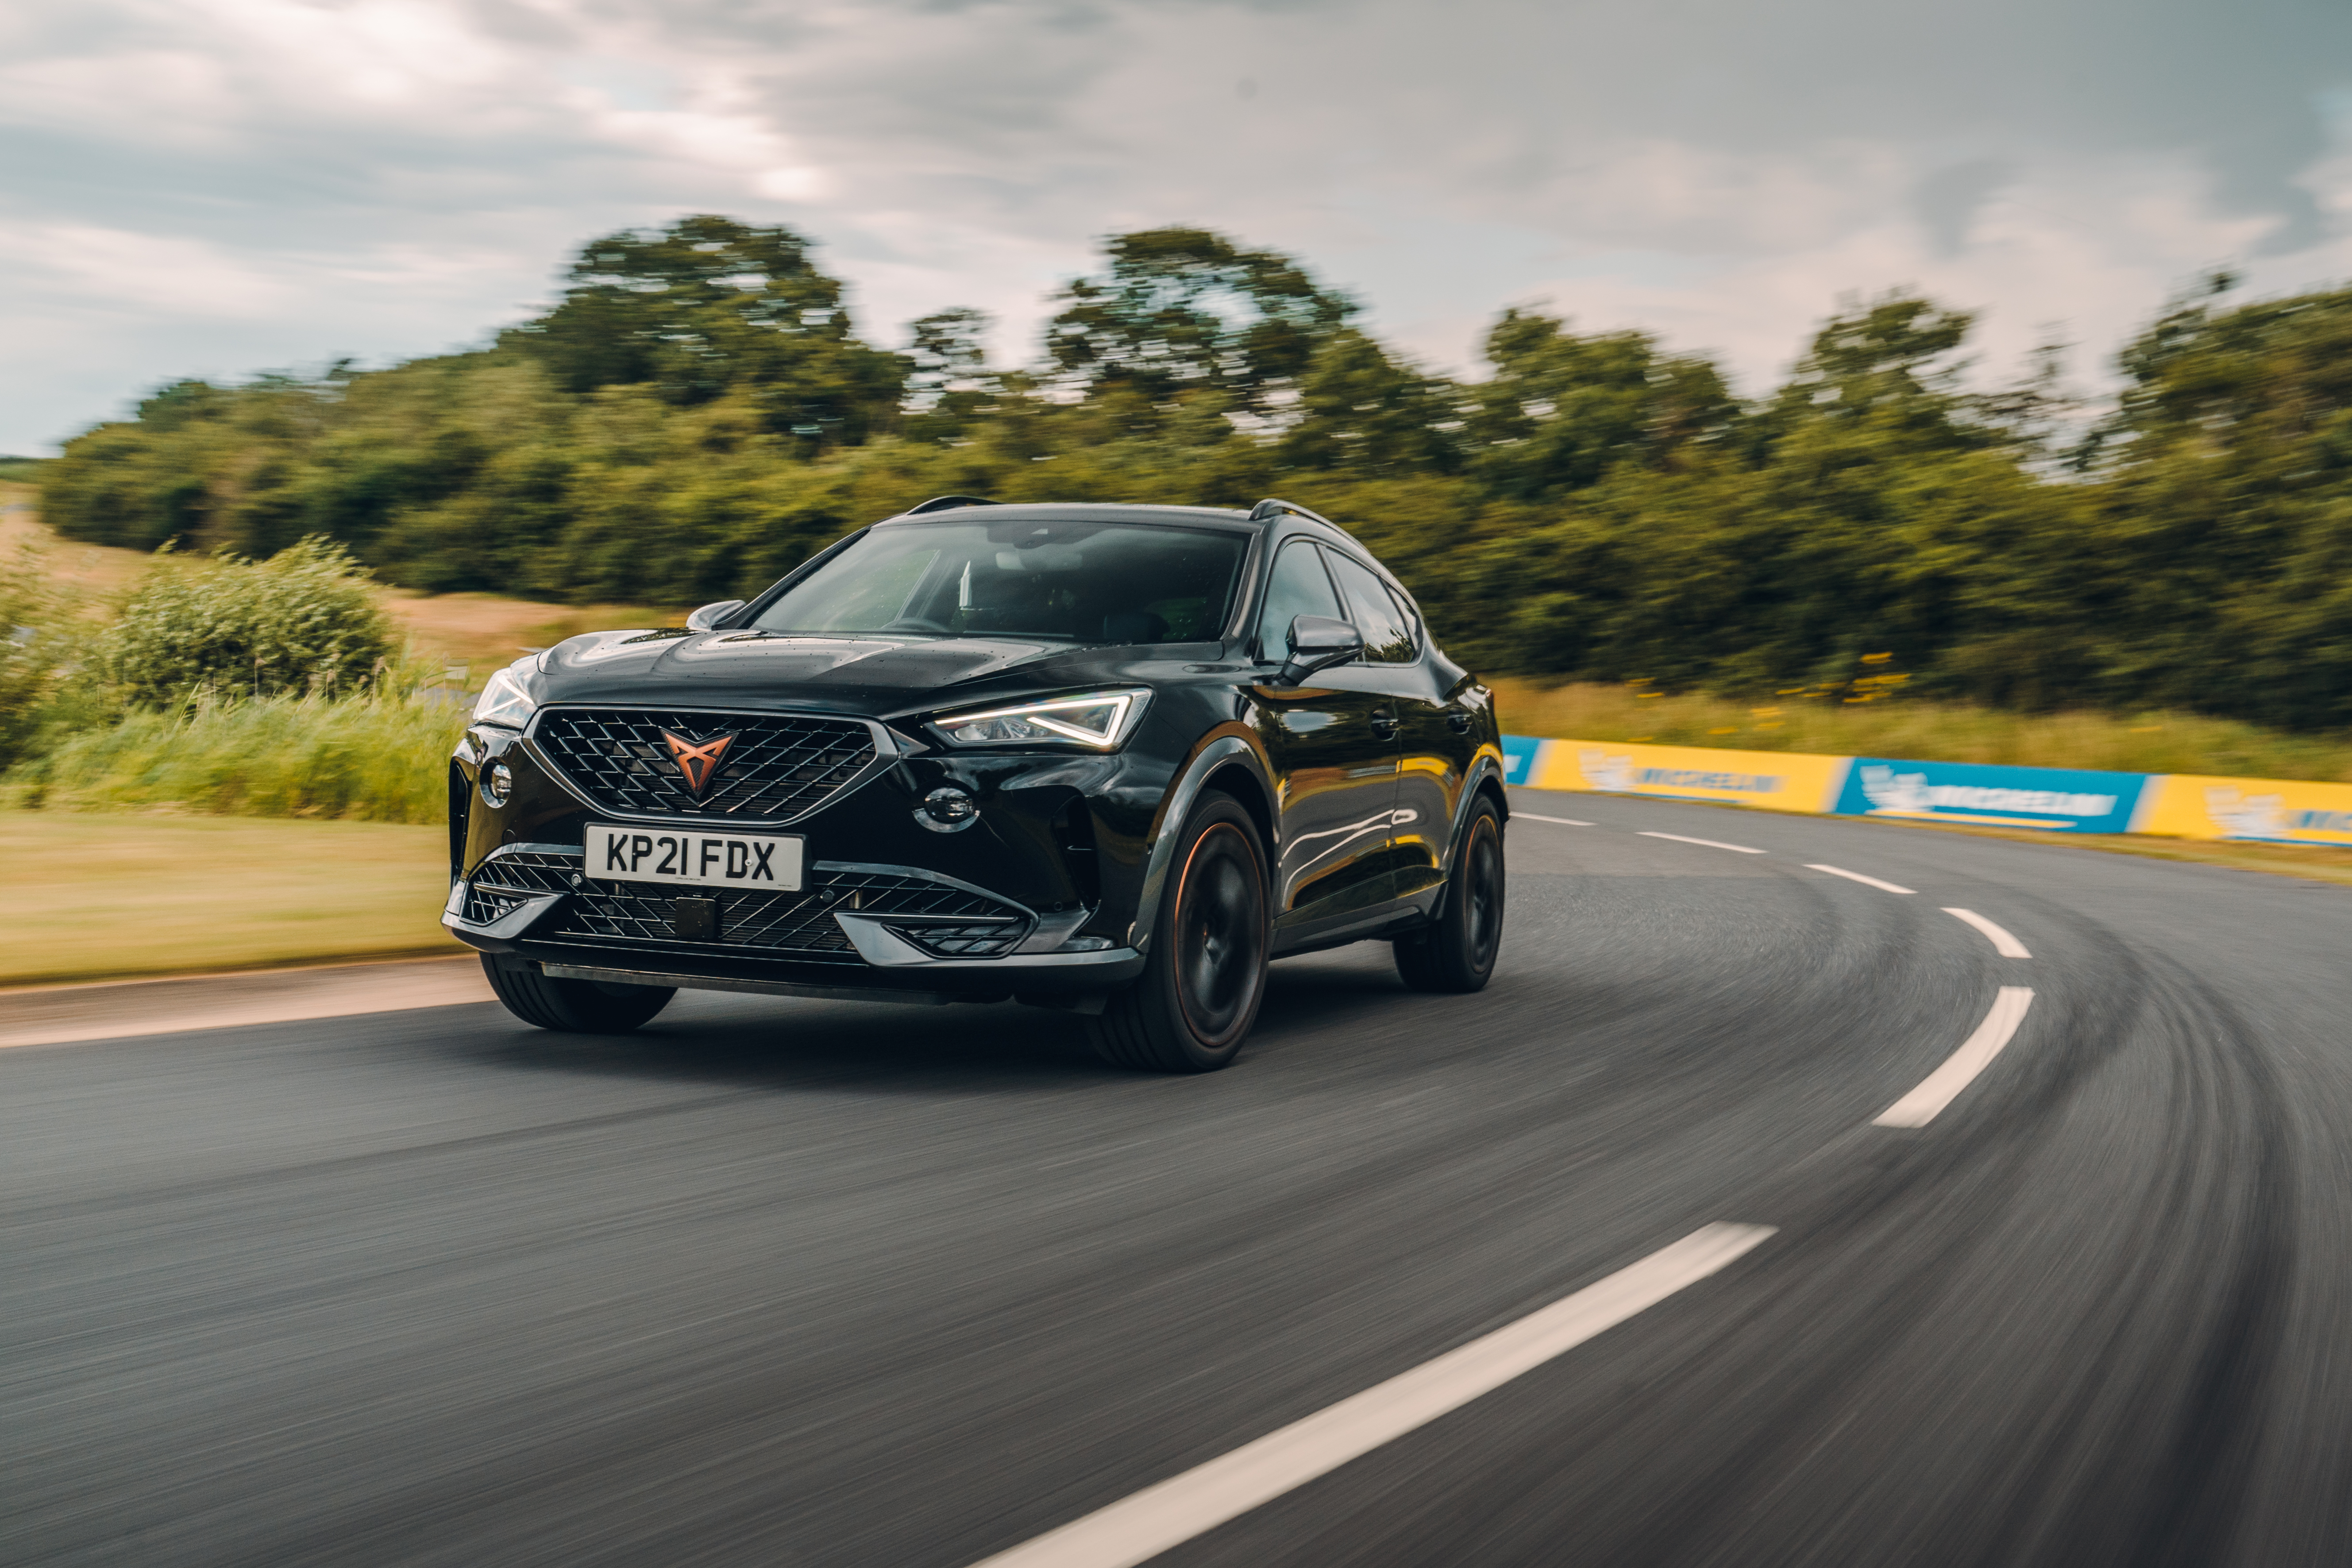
(1485, 783)
(1224, 754)
(1245, 787)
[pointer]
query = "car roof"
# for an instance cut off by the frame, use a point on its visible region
(1224, 519)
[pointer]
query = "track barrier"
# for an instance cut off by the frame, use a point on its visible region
(2055, 800)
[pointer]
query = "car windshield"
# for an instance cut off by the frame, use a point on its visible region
(1068, 581)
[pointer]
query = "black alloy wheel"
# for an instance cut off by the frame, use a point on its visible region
(573, 1007)
(1457, 952)
(1199, 993)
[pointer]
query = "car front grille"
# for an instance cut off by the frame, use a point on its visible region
(779, 766)
(945, 921)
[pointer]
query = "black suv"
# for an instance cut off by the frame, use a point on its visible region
(1111, 759)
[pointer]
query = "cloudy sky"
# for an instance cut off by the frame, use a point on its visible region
(211, 187)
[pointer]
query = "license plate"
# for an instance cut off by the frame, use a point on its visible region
(768, 861)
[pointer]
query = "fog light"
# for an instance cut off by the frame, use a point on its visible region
(498, 784)
(948, 810)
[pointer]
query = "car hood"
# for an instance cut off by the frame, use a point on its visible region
(873, 676)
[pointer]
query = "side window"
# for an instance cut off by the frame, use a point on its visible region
(1388, 633)
(1404, 607)
(1296, 587)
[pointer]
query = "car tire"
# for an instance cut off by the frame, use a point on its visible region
(1204, 974)
(1457, 952)
(575, 1006)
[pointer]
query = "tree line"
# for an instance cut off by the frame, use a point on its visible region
(698, 414)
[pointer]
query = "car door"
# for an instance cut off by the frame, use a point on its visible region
(1434, 743)
(1332, 746)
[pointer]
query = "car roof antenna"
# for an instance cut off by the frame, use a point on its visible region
(946, 503)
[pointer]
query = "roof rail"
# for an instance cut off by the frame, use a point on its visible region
(946, 503)
(1275, 506)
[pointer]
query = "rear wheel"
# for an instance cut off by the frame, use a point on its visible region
(575, 1006)
(1205, 975)
(1457, 953)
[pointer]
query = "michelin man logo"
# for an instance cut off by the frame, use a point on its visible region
(1604, 771)
(1887, 790)
(2241, 816)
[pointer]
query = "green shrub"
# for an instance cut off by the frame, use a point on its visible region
(368, 759)
(306, 621)
(34, 650)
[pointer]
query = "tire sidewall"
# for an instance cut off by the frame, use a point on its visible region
(1485, 821)
(1215, 816)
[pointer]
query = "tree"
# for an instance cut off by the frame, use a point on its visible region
(1879, 363)
(1184, 309)
(1561, 410)
(949, 382)
(1362, 412)
(707, 306)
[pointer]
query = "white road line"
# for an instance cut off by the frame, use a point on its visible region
(1151, 1522)
(2003, 943)
(1858, 876)
(1943, 1086)
(1710, 843)
(1563, 821)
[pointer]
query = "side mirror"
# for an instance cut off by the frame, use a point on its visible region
(1317, 642)
(708, 617)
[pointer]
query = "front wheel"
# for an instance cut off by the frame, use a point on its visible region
(575, 1006)
(1205, 975)
(1457, 953)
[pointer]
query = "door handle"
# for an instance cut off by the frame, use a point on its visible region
(1459, 721)
(1385, 723)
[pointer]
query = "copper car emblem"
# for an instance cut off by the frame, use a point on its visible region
(698, 760)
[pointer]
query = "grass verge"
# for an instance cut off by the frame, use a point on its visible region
(2314, 863)
(1929, 731)
(276, 756)
(96, 897)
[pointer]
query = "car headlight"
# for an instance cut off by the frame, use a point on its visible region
(1098, 720)
(504, 701)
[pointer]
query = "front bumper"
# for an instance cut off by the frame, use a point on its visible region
(881, 932)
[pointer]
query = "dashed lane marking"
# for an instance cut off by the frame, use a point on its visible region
(1709, 842)
(1175, 1511)
(1943, 1086)
(1858, 876)
(2002, 943)
(1563, 821)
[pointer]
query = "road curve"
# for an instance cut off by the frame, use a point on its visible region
(835, 1284)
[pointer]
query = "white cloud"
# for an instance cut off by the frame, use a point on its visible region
(217, 185)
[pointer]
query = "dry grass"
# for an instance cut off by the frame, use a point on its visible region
(96, 896)
(91, 571)
(483, 631)
(480, 631)
(1928, 731)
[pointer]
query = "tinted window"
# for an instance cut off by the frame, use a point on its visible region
(1388, 634)
(1298, 587)
(1069, 581)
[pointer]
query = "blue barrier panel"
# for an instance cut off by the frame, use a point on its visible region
(1519, 758)
(2063, 800)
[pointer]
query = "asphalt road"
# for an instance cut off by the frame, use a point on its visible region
(829, 1284)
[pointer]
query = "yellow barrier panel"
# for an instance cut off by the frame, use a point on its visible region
(2273, 811)
(1778, 781)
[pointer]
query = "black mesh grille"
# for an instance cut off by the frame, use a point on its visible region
(962, 941)
(799, 923)
(778, 766)
(950, 922)
(503, 882)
